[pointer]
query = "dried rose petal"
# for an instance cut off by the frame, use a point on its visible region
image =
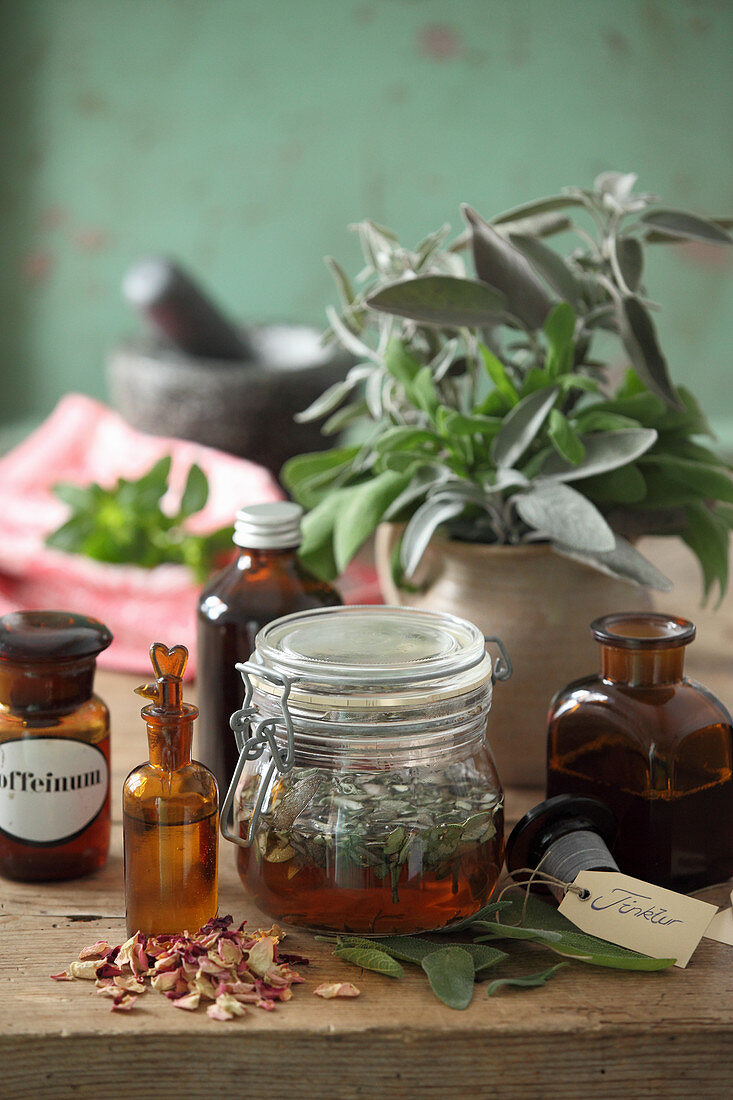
(228, 967)
(225, 1007)
(124, 1002)
(336, 989)
(261, 956)
(63, 976)
(203, 985)
(86, 970)
(107, 970)
(98, 950)
(167, 979)
(229, 952)
(129, 983)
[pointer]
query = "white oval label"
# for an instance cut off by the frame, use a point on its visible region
(51, 788)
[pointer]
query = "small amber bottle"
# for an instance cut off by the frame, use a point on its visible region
(170, 813)
(656, 747)
(265, 581)
(54, 747)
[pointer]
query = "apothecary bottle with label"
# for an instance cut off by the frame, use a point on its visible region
(366, 797)
(54, 747)
(265, 581)
(656, 747)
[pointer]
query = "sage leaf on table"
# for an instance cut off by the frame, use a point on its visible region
(527, 981)
(542, 923)
(371, 958)
(413, 949)
(461, 925)
(451, 975)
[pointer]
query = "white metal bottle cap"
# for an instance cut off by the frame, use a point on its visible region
(271, 526)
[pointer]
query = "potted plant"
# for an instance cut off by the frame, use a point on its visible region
(489, 429)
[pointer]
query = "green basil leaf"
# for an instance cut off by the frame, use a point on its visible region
(153, 485)
(451, 975)
(76, 496)
(525, 981)
(371, 958)
(195, 493)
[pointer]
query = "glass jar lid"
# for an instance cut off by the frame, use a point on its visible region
(374, 655)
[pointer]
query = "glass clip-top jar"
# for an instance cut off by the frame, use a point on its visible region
(365, 798)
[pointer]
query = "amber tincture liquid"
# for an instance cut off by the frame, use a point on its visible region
(356, 899)
(656, 747)
(54, 747)
(262, 584)
(170, 815)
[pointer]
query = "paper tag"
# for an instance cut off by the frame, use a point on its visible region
(637, 915)
(721, 927)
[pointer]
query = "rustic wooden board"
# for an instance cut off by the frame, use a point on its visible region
(590, 1031)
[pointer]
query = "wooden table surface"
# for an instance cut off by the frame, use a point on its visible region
(589, 1032)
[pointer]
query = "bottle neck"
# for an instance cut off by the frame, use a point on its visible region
(45, 688)
(642, 667)
(264, 555)
(170, 741)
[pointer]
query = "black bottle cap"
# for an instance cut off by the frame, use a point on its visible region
(555, 817)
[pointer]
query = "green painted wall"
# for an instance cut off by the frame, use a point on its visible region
(244, 135)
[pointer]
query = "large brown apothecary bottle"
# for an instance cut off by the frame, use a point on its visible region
(265, 581)
(656, 747)
(54, 747)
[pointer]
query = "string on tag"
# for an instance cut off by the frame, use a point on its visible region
(559, 886)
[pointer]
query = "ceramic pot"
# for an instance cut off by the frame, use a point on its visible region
(541, 606)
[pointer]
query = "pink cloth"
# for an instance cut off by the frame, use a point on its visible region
(83, 441)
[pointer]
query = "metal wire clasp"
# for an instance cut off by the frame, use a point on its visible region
(252, 738)
(503, 667)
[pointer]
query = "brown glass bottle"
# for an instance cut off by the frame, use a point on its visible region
(54, 747)
(655, 747)
(267, 580)
(170, 814)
